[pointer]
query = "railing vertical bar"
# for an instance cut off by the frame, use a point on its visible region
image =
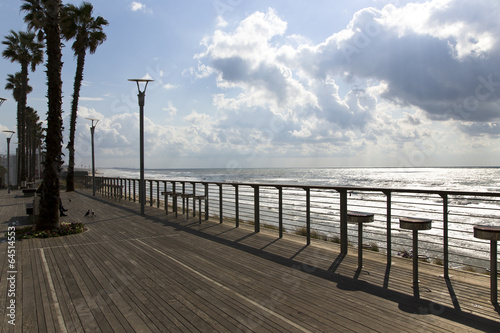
(150, 193)
(194, 198)
(220, 204)
(445, 236)
(280, 211)
(183, 193)
(308, 214)
(134, 189)
(165, 196)
(236, 204)
(206, 201)
(174, 199)
(343, 221)
(256, 200)
(388, 195)
(157, 194)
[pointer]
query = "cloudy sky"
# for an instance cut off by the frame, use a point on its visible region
(276, 83)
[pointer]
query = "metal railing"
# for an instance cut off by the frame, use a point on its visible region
(321, 212)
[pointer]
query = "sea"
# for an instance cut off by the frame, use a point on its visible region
(485, 179)
(464, 211)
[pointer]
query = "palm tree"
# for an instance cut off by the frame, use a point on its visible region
(34, 135)
(24, 49)
(14, 84)
(79, 24)
(44, 17)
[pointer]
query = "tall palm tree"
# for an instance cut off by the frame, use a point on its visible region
(23, 48)
(79, 24)
(44, 17)
(34, 134)
(14, 84)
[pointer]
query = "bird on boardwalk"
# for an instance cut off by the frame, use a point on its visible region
(90, 213)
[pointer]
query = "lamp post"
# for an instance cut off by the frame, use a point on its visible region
(2, 100)
(8, 157)
(141, 96)
(92, 131)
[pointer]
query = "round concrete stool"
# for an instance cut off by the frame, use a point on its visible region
(491, 233)
(360, 218)
(415, 224)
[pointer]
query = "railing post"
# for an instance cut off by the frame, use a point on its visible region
(157, 194)
(206, 201)
(134, 189)
(174, 199)
(220, 203)
(256, 200)
(183, 193)
(389, 226)
(150, 193)
(308, 214)
(236, 205)
(445, 235)
(343, 221)
(280, 211)
(194, 198)
(165, 196)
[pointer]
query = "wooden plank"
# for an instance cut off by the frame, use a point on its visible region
(70, 315)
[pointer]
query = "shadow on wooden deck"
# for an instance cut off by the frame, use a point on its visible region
(426, 305)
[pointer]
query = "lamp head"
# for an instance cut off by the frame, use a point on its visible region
(141, 81)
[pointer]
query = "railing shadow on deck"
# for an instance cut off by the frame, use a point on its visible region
(407, 303)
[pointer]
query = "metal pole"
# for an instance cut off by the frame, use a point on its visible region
(8, 165)
(92, 132)
(93, 161)
(141, 96)
(8, 156)
(142, 190)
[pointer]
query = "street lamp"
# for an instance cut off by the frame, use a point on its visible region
(8, 156)
(92, 130)
(141, 96)
(2, 100)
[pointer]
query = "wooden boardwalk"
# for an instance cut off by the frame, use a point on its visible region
(155, 273)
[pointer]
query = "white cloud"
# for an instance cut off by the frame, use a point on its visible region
(171, 109)
(169, 86)
(138, 6)
(91, 98)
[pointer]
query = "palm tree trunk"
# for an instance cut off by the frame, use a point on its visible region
(22, 127)
(50, 196)
(70, 182)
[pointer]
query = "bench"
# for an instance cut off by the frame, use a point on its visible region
(33, 209)
(29, 192)
(29, 208)
(185, 200)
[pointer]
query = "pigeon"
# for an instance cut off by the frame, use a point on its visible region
(90, 213)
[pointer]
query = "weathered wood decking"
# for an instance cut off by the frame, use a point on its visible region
(133, 273)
